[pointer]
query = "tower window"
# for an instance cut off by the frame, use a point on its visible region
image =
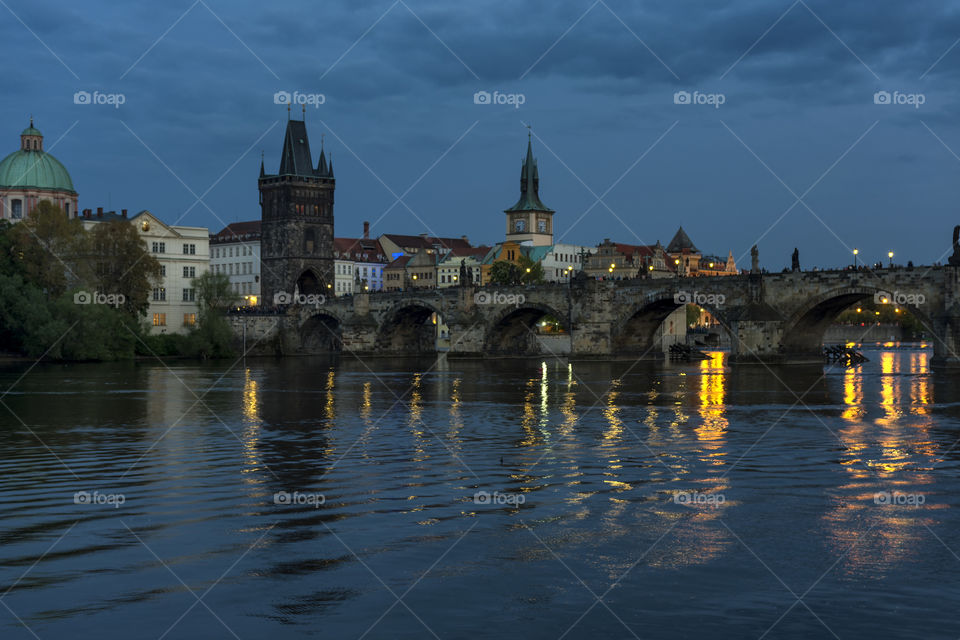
(16, 209)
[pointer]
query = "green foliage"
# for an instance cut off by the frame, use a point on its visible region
(121, 264)
(504, 273)
(50, 248)
(869, 312)
(530, 272)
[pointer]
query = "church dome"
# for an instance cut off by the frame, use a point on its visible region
(33, 168)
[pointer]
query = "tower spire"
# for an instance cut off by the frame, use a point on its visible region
(262, 172)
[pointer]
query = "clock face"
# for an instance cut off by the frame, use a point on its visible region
(520, 225)
(146, 225)
(542, 226)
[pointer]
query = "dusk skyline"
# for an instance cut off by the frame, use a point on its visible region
(799, 154)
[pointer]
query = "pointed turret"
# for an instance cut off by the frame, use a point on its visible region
(681, 242)
(529, 185)
(262, 171)
(322, 165)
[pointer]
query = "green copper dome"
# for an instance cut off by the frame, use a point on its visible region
(30, 131)
(36, 169)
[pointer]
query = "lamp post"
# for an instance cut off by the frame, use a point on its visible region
(890, 256)
(855, 253)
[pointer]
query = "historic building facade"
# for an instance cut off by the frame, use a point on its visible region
(30, 175)
(297, 220)
(235, 253)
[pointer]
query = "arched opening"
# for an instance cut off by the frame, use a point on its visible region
(321, 333)
(652, 329)
(855, 315)
(411, 329)
(528, 331)
(310, 284)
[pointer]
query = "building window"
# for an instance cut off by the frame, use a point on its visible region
(163, 271)
(189, 272)
(159, 294)
(190, 249)
(159, 247)
(189, 295)
(159, 319)
(189, 319)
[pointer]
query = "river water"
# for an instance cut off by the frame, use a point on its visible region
(337, 498)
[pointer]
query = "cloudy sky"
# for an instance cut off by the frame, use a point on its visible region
(746, 122)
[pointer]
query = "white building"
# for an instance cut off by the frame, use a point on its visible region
(183, 253)
(358, 264)
(448, 269)
(235, 252)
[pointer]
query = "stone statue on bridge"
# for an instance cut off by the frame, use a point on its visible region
(754, 259)
(954, 260)
(465, 279)
(795, 260)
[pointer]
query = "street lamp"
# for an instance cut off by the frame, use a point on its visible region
(855, 253)
(890, 256)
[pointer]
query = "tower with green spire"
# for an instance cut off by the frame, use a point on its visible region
(529, 220)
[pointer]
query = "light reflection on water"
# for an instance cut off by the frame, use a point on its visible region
(599, 451)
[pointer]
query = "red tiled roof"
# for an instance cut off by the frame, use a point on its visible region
(237, 231)
(359, 249)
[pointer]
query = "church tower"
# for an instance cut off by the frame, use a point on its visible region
(296, 214)
(530, 220)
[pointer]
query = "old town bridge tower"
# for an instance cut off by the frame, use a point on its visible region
(296, 214)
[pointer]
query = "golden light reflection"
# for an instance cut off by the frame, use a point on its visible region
(251, 431)
(330, 409)
(611, 412)
(713, 422)
(889, 454)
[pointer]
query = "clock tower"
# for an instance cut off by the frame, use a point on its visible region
(530, 221)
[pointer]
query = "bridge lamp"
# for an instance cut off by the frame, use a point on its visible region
(855, 253)
(859, 310)
(890, 256)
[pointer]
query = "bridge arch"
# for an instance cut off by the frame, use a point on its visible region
(511, 331)
(409, 327)
(803, 331)
(321, 333)
(635, 333)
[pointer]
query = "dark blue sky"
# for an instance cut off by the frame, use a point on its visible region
(799, 119)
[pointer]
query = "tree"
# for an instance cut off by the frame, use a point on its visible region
(530, 272)
(122, 265)
(212, 337)
(49, 246)
(504, 273)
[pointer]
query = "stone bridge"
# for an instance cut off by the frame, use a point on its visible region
(774, 318)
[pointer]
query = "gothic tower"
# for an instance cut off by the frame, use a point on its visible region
(296, 214)
(530, 220)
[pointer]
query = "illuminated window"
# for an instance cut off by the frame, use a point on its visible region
(189, 319)
(159, 319)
